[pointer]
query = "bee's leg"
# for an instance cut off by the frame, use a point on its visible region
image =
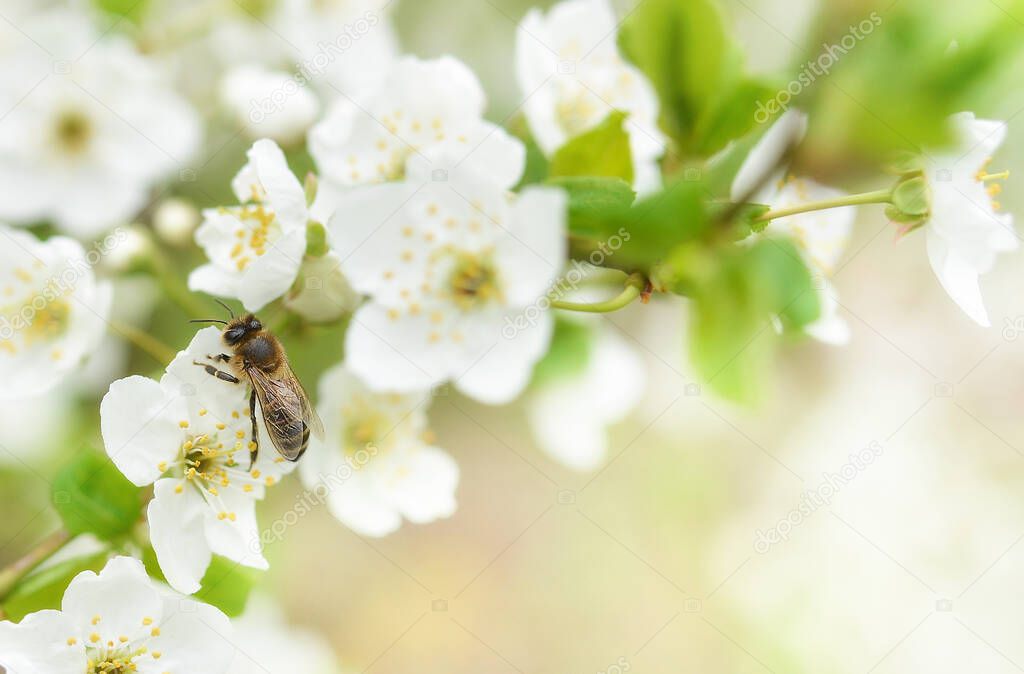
(220, 357)
(219, 374)
(255, 437)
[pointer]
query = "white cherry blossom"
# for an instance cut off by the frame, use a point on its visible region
(255, 249)
(821, 236)
(118, 621)
(572, 77)
(53, 310)
(377, 463)
(967, 229)
(418, 106)
(570, 416)
(189, 436)
(90, 126)
(448, 266)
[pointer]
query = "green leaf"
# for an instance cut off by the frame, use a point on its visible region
(731, 337)
(129, 9)
(912, 197)
(593, 202)
(602, 151)
(632, 238)
(44, 589)
(684, 49)
(92, 496)
(570, 351)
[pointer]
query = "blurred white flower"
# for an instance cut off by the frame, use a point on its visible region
(266, 643)
(174, 220)
(966, 229)
(269, 103)
(569, 416)
(572, 77)
(377, 463)
(347, 46)
(118, 621)
(90, 126)
(418, 106)
(322, 293)
(53, 311)
(255, 249)
(189, 436)
(450, 267)
(821, 236)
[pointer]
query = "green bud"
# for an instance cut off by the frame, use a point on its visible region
(310, 187)
(911, 197)
(316, 239)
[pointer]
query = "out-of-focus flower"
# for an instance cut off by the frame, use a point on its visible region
(135, 245)
(118, 621)
(53, 311)
(255, 249)
(322, 292)
(189, 435)
(450, 268)
(570, 415)
(269, 103)
(418, 106)
(821, 236)
(90, 126)
(572, 75)
(377, 463)
(347, 46)
(174, 220)
(966, 229)
(265, 642)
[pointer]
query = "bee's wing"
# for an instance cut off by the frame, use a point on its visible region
(286, 412)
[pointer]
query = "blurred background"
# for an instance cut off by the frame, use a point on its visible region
(657, 560)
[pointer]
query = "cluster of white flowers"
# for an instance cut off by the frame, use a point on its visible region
(413, 228)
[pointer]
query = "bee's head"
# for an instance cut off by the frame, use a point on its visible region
(240, 328)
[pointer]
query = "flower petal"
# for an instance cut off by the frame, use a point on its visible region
(958, 278)
(39, 645)
(114, 603)
(176, 532)
(503, 372)
(139, 422)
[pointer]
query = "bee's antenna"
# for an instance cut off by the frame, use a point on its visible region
(208, 320)
(230, 312)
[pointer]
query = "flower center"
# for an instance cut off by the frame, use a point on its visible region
(474, 281)
(36, 324)
(576, 112)
(993, 186)
(364, 428)
(72, 132)
(258, 229)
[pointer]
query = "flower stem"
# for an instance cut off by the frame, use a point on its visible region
(876, 197)
(144, 341)
(12, 575)
(635, 285)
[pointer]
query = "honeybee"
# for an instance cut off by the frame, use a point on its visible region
(258, 357)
